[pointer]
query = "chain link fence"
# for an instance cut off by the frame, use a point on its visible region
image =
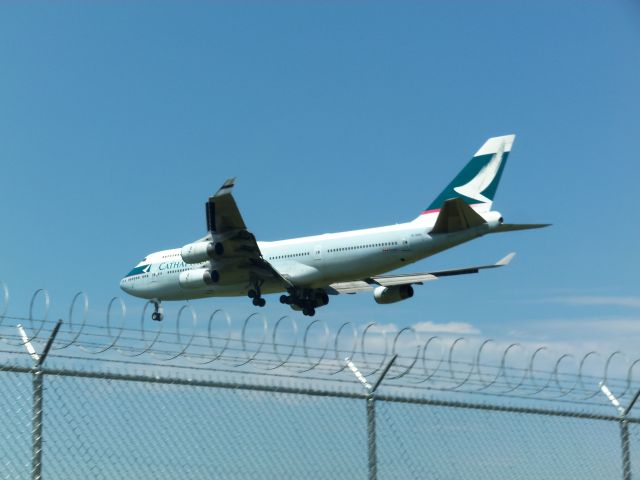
(454, 441)
(151, 429)
(121, 402)
(101, 425)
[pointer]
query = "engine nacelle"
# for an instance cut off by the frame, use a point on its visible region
(383, 295)
(201, 252)
(198, 278)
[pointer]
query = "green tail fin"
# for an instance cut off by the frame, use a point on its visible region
(478, 181)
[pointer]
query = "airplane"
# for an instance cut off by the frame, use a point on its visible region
(229, 261)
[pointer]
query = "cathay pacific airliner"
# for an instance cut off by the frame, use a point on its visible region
(307, 271)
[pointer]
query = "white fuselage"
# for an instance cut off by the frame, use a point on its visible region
(309, 262)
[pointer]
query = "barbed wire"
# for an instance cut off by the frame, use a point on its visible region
(437, 362)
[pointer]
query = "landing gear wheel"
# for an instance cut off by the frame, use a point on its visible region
(283, 299)
(255, 294)
(157, 314)
(312, 312)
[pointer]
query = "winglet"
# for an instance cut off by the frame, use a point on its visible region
(506, 260)
(226, 187)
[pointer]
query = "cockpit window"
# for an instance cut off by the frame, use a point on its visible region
(143, 262)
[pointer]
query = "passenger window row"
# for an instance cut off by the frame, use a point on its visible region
(358, 247)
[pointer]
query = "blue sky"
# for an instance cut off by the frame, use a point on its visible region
(117, 120)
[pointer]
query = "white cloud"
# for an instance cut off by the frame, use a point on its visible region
(449, 327)
(579, 336)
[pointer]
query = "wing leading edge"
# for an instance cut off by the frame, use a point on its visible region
(368, 284)
(241, 251)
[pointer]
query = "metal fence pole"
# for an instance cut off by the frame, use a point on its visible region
(626, 454)
(371, 437)
(36, 436)
(371, 412)
(371, 422)
(624, 436)
(38, 397)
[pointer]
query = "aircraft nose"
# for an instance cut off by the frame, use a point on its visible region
(124, 286)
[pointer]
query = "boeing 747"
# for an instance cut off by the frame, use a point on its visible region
(229, 261)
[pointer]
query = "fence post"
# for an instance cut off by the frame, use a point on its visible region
(36, 434)
(371, 413)
(624, 436)
(371, 437)
(38, 397)
(626, 457)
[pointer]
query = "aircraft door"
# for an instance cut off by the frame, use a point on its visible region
(153, 276)
(317, 252)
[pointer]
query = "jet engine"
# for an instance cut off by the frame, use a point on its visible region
(201, 251)
(383, 295)
(198, 278)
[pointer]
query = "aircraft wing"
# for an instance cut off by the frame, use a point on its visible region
(241, 251)
(222, 212)
(368, 284)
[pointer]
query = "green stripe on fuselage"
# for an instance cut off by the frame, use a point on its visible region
(137, 271)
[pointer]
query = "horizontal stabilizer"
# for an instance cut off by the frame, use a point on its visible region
(456, 216)
(512, 227)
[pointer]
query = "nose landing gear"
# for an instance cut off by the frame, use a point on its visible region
(158, 311)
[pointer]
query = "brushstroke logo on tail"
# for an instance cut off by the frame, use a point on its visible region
(478, 184)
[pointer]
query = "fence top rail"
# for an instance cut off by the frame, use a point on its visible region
(309, 391)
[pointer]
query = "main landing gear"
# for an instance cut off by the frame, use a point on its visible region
(306, 300)
(256, 296)
(158, 312)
